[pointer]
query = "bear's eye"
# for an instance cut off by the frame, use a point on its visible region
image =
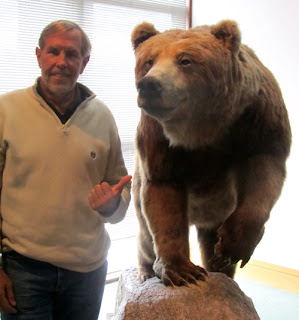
(149, 63)
(185, 61)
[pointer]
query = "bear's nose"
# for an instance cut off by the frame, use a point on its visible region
(149, 86)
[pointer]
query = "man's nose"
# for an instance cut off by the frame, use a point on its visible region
(61, 60)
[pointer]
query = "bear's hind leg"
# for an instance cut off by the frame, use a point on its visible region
(146, 254)
(145, 249)
(207, 241)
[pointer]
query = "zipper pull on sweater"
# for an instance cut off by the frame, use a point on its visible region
(64, 129)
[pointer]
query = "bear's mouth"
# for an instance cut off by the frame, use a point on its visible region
(155, 108)
(159, 99)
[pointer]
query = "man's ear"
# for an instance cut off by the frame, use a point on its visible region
(84, 63)
(38, 53)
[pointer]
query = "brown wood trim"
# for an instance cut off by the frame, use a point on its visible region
(188, 14)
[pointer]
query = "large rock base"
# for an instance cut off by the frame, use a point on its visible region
(218, 298)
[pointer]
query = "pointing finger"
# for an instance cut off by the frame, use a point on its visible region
(122, 183)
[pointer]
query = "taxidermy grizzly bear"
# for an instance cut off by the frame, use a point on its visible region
(212, 143)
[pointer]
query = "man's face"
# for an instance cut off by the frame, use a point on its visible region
(61, 63)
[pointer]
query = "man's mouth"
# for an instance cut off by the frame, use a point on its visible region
(60, 75)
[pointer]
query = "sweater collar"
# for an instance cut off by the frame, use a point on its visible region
(82, 94)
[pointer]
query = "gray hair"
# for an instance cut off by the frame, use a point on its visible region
(65, 25)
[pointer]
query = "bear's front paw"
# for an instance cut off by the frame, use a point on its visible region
(181, 274)
(233, 247)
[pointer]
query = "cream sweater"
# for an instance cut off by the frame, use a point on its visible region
(47, 170)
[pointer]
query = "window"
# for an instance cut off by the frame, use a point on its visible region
(109, 73)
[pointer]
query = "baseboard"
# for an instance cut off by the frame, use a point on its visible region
(256, 271)
(270, 275)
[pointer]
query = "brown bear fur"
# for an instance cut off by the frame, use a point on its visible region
(212, 143)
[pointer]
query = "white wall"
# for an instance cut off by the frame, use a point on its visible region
(270, 28)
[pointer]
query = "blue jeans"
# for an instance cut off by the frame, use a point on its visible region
(45, 292)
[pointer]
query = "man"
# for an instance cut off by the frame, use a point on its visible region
(62, 177)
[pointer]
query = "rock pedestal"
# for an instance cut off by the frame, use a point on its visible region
(218, 298)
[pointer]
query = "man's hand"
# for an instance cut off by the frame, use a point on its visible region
(104, 198)
(7, 299)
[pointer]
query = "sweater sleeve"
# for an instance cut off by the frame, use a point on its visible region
(116, 169)
(2, 163)
(2, 160)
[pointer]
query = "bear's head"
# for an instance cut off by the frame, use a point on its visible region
(189, 80)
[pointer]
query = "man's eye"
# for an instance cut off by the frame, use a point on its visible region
(54, 51)
(72, 54)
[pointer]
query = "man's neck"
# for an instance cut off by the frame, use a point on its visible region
(61, 103)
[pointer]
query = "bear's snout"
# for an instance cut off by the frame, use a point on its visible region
(149, 87)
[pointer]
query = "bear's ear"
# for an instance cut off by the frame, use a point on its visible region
(228, 31)
(141, 33)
